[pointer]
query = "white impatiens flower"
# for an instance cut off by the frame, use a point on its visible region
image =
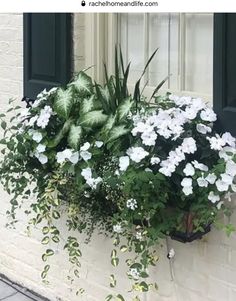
(216, 142)
(123, 163)
(37, 136)
(230, 168)
(189, 145)
(149, 138)
(43, 159)
(139, 235)
(85, 155)
(227, 179)
(74, 158)
(189, 170)
(155, 160)
(41, 148)
(199, 166)
(118, 228)
(202, 182)
(221, 185)
(24, 114)
(190, 113)
(67, 155)
(136, 154)
(186, 183)
(213, 197)
(211, 178)
(208, 115)
(227, 153)
(93, 182)
(203, 129)
(131, 204)
(98, 144)
(44, 117)
(85, 146)
(86, 173)
(228, 139)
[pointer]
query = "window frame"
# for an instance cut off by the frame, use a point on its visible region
(102, 33)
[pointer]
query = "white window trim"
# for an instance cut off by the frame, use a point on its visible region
(101, 37)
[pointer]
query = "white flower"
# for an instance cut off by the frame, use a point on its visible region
(155, 160)
(229, 139)
(93, 182)
(202, 182)
(189, 170)
(221, 185)
(98, 144)
(186, 183)
(216, 143)
(140, 127)
(138, 235)
(198, 104)
(227, 178)
(86, 173)
(230, 168)
(85, 155)
(136, 154)
(37, 136)
(123, 163)
(74, 158)
(213, 197)
(32, 120)
(44, 117)
(211, 178)
(149, 138)
(132, 204)
(218, 206)
(85, 146)
(167, 168)
(134, 273)
(189, 145)
(41, 157)
(41, 148)
(65, 155)
(190, 113)
(37, 102)
(227, 153)
(199, 166)
(208, 115)
(203, 129)
(118, 228)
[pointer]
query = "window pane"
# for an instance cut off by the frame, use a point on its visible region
(199, 53)
(163, 34)
(132, 42)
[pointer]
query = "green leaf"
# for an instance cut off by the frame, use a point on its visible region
(116, 132)
(115, 261)
(45, 240)
(49, 252)
(63, 102)
(123, 249)
(60, 135)
(143, 286)
(87, 105)
(108, 298)
(83, 84)
(56, 214)
(3, 125)
(120, 298)
(74, 137)
(93, 119)
(124, 108)
(112, 281)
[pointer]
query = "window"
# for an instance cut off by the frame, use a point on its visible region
(185, 53)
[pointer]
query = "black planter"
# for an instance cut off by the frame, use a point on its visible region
(189, 236)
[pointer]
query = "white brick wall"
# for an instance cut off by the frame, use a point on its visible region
(202, 271)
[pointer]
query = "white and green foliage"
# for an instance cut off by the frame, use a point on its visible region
(110, 161)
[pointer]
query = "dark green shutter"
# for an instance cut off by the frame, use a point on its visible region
(224, 90)
(47, 51)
